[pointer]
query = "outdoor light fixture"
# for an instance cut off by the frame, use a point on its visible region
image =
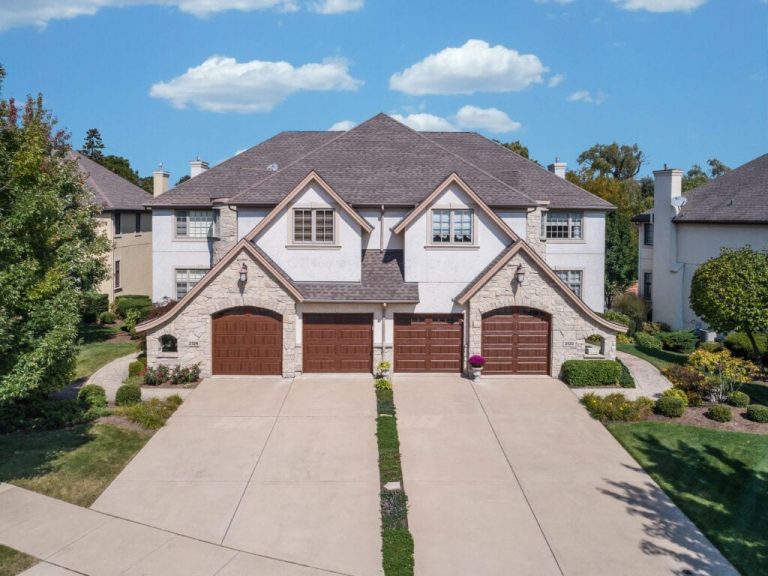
(520, 274)
(243, 273)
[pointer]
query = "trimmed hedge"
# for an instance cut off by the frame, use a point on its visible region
(92, 396)
(647, 341)
(758, 413)
(676, 393)
(107, 317)
(670, 406)
(142, 304)
(137, 367)
(738, 399)
(128, 394)
(678, 341)
(719, 413)
(580, 373)
(625, 380)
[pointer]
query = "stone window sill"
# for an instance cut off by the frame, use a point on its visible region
(168, 355)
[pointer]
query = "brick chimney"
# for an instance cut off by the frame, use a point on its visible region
(558, 168)
(197, 167)
(160, 181)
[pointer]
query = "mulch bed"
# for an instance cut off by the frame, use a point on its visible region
(172, 386)
(695, 417)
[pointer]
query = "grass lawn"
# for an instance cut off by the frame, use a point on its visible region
(13, 562)
(659, 358)
(719, 479)
(97, 350)
(74, 464)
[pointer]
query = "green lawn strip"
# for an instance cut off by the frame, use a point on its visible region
(97, 354)
(13, 562)
(659, 358)
(719, 479)
(397, 542)
(74, 464)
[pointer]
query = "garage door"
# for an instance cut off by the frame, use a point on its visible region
(516, 341)
(338, 342)
(247, 341)
(428, 342)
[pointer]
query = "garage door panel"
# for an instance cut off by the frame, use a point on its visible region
(247, 341)
(428, 343)
(516, 341)
(338, 342)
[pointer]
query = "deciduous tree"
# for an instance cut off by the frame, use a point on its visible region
(621, 161)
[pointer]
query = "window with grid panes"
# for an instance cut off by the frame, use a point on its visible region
(572, 278)
(186, 278)
(313, 225)
(563, 225)
(194, 223)
(452, 226)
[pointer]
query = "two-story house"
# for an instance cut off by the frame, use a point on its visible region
(332, 251)
(682, 232)
(127, 224)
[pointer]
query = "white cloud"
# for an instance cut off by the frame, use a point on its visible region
(490, 119)
(660, 5)
(586, 96)
(425, 122)
(336, 6)
(221, 84)
(39, 12)
(555, 80)
(474, 67)
(342, 126)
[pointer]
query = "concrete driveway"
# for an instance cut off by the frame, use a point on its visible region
(511, 476)
(281, 468)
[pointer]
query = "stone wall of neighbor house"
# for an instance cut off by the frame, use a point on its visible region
(193, 325)
(570, 325)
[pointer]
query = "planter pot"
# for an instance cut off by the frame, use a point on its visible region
(476, 372)
(592, 349)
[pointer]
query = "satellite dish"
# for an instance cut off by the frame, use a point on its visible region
(678, 202)
(273, 167)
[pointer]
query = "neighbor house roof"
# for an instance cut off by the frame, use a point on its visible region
(643, 217)
(738, 196)
(380, 161)
(112, 192)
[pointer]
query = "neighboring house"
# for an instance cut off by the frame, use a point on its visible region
(128, 226)
(329, 252)
(682, 232)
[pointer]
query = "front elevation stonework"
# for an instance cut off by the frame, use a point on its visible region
(570, 326)
(192, 326)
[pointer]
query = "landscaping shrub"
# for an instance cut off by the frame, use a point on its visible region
(757, 413)
(132, 318)
(723, 364)
(739, 345)
(185, 375)
(157, 375)
(617, 408)
(619, 318)
(711, 346)
(682, 341)
(128, 394)
(43, 414)
(580, 373)
(624, 339)
(151, 414)
(634, 307)
(655, 327)
(137, 367)
(625, 380)
(675, 393)
(738, 399)
(670, 406)
(93, 305)
(690, 381)
(383, 384)
(92, 396)
(647, 341)
(107, 317)
(123, 304)
(719, 413)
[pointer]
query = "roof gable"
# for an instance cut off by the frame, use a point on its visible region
(112, 192)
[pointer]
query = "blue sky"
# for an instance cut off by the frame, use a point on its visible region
(169, 80)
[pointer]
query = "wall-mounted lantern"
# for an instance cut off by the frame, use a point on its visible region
(243, 274)
(520, 274)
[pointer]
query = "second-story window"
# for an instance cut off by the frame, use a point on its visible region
(648, 234)
(452, 226)
(313, 225)
(564, 225)
(118, 224)
(194, 223)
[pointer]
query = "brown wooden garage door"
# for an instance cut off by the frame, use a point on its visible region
(428, 342)
(338, 342)
(516, 341)
(247, 341)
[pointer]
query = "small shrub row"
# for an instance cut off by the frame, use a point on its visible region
(625, 380)
(617, 407)
(161, 374)
(670, 406)
(719, 413)
(580, 373)
(758, 413)
(151, 414)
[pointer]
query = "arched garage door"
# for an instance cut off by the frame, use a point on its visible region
(247, 341)
(516, 340)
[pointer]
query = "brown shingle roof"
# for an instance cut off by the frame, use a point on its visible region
(738, 196)
(112, 192)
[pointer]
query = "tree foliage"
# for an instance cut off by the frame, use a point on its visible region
(620, 161)
(93, 147)
(697, 176)
(517, 147)
(730, 292)
(50, 251)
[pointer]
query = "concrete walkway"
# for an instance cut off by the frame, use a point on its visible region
(648, 380)
(285, 469)
(70, 541)
(511, 476)
(111, 376)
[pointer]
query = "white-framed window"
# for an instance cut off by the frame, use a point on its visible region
(186, 278)
(452, 226)
(647, 284)
(564, 225)
(573, 278)
(116, 275)
(648, 234)
(118, 224)
(313, 226)
(195, 223)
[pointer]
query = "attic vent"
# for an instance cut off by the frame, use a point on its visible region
(730, 202)
(273, 167)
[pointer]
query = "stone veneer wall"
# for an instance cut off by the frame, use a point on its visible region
(570, 326)
(533, 231)
(193, 324)
(227, 232)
